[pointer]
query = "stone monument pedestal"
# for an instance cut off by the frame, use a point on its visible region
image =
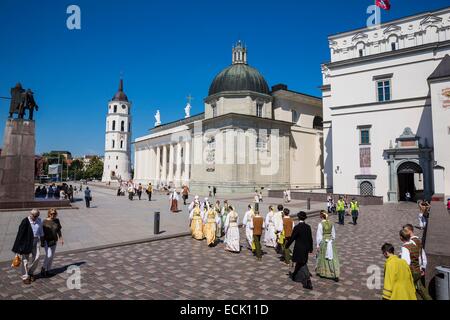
(17, 162)
(17, 169)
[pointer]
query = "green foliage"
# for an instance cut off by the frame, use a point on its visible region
(94, 169)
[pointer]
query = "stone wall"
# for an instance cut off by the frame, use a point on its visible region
(322, 197)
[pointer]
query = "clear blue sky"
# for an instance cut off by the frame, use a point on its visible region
(166, 49)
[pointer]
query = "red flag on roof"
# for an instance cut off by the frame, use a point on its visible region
(383, 4)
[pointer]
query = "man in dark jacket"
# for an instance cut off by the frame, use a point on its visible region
(302, 236)
(27, 242)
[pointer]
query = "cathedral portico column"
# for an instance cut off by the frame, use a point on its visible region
(151, 164)
(178, 166)
(158, 165)
(171, 157)
(164, 164)
(187, 161)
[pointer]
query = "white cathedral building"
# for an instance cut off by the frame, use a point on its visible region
(248, 137)
(117, 160)
(386, 99)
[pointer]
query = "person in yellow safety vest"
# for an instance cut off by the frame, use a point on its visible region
(354, 208)
(340, 208)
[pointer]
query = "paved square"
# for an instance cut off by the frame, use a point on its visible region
(183, 268)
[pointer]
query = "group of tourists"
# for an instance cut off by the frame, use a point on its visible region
(53, 191)
(276, 230)
(33, 234)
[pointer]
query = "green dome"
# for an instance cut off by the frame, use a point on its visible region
(239, 77)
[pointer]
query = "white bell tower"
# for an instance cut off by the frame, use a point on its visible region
(117, 163)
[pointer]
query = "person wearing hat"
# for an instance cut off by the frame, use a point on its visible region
(302, 236)
(354, 209)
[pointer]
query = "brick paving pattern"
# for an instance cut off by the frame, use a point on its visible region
(183, 268)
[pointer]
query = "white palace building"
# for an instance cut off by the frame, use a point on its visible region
(248, 137)
(386, 108)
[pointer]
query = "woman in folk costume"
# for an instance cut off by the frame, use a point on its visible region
(270, 237)
(219, 226)
(248, 217)
(225, 210)
(231, 227)
(193, 203)
(196, 221)
(327, 265)
(174, 201)
(210, 225)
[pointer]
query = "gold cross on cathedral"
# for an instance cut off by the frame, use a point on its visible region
(190, 98)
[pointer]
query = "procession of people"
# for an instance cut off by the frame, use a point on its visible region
(277, 231)
(220, 222)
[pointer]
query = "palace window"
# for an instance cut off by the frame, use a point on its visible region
(115, 108)
(121, 144)
(214, 110)
(384, 90)
(122, 126)
(393, 46)
(259, 110)
(114, 125)
(364, 136)
(113, 143)
(361, 53)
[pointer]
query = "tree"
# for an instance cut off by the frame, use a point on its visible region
(76, 169)
(94, 169)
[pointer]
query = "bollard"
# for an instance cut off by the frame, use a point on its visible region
(156, 223)
(308, 204)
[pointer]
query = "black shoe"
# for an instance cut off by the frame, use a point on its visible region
(308, 285)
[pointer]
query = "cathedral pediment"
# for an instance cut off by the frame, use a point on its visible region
(431, 20)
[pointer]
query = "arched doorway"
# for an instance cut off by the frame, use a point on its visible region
(409, 180)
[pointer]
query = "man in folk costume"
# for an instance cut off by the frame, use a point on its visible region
(354, 209)
(288, 226)
(327, 258)
(210, 225)
(411, 253)
(398, 280)
(257, 226)
(225, 210)
(302, 236)
(27, 242)
(409, 229)
(218, 211)
(196, 221)
(278, 221)
(231, 227)
(270, 236)
(174, 201)
(247, 222)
